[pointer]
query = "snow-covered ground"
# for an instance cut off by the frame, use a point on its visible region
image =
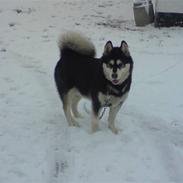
(36, 144)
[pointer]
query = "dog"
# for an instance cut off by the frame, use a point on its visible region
(106, 81)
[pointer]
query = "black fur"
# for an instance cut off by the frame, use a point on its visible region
(84, 72)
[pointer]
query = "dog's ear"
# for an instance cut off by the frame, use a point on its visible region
(108, 47)
(124, 48)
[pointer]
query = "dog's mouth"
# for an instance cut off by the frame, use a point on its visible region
(115, 81)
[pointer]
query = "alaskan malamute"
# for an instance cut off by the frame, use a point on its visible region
(105, 81)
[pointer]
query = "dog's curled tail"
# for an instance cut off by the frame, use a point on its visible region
(76, 42)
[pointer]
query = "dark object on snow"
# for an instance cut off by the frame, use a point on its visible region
(3, 50)
(169, 13)
(18, 11)
(143, 12)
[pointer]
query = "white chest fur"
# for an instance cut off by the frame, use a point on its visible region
(111, 100)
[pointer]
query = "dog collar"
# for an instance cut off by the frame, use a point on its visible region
(117, 91)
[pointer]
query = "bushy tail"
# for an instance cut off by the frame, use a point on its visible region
(76, 42)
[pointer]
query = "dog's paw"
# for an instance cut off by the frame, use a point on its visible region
(74, 124)
(78, 115)
(114, 129)
(95, 127)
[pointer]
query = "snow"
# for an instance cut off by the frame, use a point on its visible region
(36, 144)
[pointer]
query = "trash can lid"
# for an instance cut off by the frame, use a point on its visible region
(141, 2)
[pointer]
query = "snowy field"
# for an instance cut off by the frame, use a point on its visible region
(36, 144)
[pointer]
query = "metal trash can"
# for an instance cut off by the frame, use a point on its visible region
(143, 12)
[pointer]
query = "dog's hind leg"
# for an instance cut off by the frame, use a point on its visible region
(95, 114)
(67, 106)
(94, 122)
(75, 101)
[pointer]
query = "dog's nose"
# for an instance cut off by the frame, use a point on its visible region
(114, 75)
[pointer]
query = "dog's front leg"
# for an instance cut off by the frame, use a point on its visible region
(112, 115)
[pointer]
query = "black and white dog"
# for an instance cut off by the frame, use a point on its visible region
(105, 81)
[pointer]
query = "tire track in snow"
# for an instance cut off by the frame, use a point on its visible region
(166, 142)
(57, 156)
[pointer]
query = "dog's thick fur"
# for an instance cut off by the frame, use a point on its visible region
(105, 81)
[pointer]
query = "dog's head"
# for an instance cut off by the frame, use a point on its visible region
(117, 63)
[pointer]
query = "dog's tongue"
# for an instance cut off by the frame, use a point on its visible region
(115, 81)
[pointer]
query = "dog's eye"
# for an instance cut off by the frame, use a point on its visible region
(120, 65)
(109, 65)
